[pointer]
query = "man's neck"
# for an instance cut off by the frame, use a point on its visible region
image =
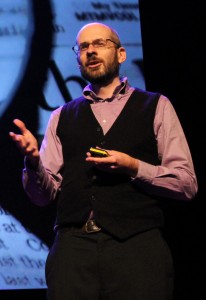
(106, 90)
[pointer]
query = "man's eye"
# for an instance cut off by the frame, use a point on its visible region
(83, 46)
(99, 43)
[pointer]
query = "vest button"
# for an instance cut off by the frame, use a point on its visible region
(98, 129)
(93, 198)
(94, 178)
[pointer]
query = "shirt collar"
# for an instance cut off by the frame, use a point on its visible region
(121, 89)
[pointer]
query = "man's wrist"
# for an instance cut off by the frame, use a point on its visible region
(134, 168)
(32, 163)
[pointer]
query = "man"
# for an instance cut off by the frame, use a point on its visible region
(108, 241)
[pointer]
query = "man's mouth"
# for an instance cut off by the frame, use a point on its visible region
(94, 64)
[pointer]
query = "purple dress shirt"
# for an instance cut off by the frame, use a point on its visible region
(174, 178)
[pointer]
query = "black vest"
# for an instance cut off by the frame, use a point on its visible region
(119, 205)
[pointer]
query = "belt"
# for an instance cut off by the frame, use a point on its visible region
(89, 227)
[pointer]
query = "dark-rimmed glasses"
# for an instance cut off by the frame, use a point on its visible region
(98, 43)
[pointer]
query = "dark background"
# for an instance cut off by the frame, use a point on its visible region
(173, 38)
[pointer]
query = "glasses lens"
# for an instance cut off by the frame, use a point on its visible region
(75, 48)
(99, 43)
(83, 46)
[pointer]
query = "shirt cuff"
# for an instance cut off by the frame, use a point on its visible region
(145, 172)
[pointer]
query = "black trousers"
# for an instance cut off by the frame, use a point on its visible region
(96, 266)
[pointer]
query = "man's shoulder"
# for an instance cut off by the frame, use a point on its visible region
(74, 103)
(145, 96)
(146, 92)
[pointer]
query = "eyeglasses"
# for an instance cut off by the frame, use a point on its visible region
(98, 43)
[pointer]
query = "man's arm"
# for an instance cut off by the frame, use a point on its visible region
(175, 176)
(41, 176)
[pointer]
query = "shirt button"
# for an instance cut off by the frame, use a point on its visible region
(94, 178)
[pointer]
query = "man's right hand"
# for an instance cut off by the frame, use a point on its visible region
(26, 142)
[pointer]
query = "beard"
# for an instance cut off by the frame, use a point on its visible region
(103, 74)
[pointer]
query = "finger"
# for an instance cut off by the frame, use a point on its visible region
(20, 125)
(14, 136)
(19, 140)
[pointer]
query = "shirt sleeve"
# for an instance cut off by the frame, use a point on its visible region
(175, 177)
(43, 184)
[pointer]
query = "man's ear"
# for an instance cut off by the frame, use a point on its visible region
(122, 55)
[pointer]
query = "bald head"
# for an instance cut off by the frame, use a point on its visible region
(97, 30)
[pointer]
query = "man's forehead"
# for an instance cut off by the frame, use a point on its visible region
(93, 31)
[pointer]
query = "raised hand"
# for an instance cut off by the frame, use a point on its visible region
(26, 142)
